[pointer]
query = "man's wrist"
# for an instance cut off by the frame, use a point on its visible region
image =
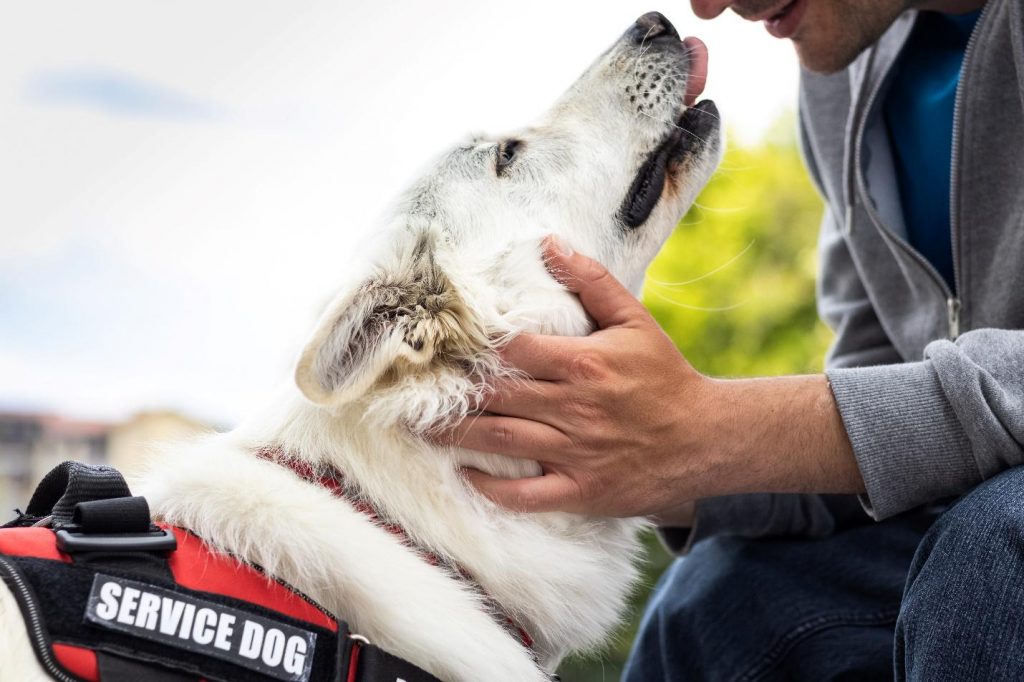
(781, 434)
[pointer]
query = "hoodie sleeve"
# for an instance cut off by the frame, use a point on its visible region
(926, 430)
(765, 515)
(908, 438)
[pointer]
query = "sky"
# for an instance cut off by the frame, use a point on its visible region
(181, 184)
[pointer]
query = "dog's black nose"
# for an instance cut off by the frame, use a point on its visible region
(650, 26)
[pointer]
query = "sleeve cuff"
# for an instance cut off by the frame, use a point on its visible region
(729, 515)
(755, 516)
(909, 444)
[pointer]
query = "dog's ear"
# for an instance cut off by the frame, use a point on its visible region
(407, 314)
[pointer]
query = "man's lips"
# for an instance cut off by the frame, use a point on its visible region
(695, 82)
(785, 23)
(781, 20)
(767, 14)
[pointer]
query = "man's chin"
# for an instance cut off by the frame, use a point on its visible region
(830, 41)
(825, 60)
(824, 67)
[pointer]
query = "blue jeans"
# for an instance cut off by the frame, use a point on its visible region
(920, 597)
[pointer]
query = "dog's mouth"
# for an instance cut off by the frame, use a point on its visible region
(688, 135)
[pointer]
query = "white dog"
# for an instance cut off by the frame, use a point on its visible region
(409, 344)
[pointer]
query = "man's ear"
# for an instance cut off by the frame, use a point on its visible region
(403, 315)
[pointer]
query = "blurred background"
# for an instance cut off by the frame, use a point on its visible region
(181, 183)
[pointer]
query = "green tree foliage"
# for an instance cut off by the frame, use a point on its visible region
(734, 288)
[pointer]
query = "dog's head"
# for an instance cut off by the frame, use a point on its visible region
(610, 169)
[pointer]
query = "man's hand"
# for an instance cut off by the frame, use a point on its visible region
(624, 426)
(609, 415)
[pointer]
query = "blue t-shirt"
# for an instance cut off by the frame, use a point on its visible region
(919, 114)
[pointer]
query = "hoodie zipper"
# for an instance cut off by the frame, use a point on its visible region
(954, 303)
(35, 621)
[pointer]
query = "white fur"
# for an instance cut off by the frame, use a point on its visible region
(408, 346)
(17, 662)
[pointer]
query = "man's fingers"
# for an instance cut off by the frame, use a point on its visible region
(603, 296)
(526, 399)
(506, 436)
(535, 494)
(540, 356)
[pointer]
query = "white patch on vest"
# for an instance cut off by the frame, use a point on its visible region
(203, 631)
(186, 622)
(170, 614)
(129, 600)
(225, 628)
(146, 616)
(107, 608)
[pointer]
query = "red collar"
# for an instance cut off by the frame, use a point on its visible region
(334, 481)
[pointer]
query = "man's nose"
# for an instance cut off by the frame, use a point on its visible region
(709, 9)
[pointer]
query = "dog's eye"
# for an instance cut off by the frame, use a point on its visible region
(506, 154)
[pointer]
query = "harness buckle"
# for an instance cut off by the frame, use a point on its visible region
(159, 540)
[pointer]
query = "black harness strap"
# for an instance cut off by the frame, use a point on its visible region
(98, 522)
(114, 668)
(116, 515)
(375, 664)
(117, 533)
(73, 482)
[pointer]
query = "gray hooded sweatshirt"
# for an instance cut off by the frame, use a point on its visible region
(929, 382)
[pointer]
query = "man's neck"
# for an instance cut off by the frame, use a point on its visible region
(949, 6)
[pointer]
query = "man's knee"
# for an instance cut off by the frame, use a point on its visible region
(697, 589)
(986, 522)
(713, 586)
(736, 607)
(693, 602)
(965, 583)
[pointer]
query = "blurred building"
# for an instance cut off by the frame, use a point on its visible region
(33, 443)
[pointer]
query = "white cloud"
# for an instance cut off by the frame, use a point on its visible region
(116, 93)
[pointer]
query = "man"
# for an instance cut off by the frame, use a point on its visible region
(912, 125)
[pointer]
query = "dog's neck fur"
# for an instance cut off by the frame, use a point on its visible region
(342, 486)
(563, 577)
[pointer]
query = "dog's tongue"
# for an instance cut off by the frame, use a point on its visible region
(698, 69)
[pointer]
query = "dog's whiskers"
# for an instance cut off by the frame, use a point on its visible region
(709, 273)
(716, 209)
(697, 308)
(674, 125)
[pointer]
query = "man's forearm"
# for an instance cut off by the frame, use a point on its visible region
(783, 434)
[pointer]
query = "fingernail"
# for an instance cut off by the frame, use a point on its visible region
(560, 246)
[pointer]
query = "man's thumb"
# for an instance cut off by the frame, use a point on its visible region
(603, 296)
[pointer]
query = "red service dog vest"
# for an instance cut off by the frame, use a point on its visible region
(107, 596)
